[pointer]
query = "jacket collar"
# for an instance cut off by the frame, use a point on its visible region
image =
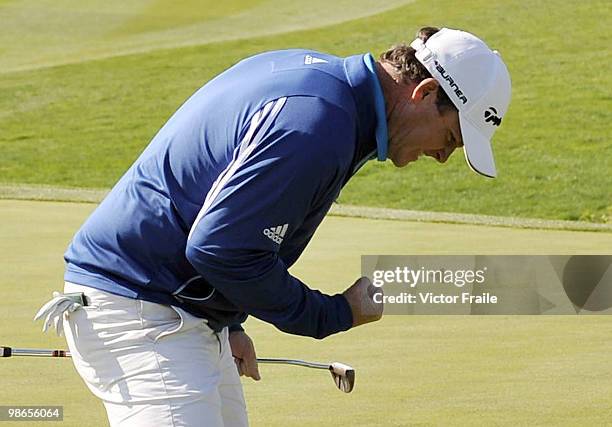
(372, 131)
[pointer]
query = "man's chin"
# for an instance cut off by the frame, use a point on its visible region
(400, 163)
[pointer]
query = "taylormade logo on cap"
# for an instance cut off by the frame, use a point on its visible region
(477, 81)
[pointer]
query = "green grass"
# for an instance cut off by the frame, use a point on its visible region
(82, 124)
(161, 15)
(417, 370)
(68, 31)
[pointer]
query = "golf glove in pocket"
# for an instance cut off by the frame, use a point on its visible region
(54, 310)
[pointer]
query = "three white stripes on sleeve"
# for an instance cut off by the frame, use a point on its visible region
(241, 153)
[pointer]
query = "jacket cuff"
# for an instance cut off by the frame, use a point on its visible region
(235, 328)
(344, 313)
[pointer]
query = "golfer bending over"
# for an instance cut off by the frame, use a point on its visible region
(200, 231)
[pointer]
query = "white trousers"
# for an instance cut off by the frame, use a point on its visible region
(154, 365)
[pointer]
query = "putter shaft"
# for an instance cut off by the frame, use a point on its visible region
(343, 375)
(36, 352)
(296, 362)
(42, 352)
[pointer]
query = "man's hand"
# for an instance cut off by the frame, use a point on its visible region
(360, 297)
(243, 351)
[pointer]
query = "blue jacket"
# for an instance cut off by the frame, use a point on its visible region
(230, 191)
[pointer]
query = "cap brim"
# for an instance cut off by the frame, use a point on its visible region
(477, 149)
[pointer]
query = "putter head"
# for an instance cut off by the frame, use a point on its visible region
(343, 375)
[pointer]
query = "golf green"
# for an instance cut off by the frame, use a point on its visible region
(425, 370)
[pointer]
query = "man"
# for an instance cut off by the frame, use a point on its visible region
(200, 231)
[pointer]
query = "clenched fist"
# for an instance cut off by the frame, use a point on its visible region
(360, 297)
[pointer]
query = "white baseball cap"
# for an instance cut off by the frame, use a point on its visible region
(477, 81)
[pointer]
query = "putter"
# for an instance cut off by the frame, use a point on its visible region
(343, 375)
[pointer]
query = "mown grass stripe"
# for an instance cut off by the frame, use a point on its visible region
(471, 219)
(95, 195)
(52, 194)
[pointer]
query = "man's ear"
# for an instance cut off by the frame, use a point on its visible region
(427, 88)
